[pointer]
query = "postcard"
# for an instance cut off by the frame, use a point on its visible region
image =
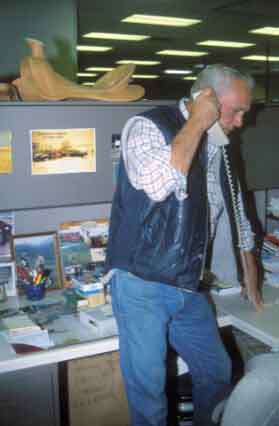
(6, 163)
(56, 151)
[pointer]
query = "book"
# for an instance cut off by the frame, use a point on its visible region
(93, 292)
(19, 324)
(271, 278)
(87, 288)
(270, 262)
(39, 339)
(270, 247)
(21, 329)
(272, 238)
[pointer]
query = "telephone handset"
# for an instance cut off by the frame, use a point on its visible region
(215, 133)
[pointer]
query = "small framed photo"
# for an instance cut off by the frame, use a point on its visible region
(37, 258)
(7, 276)
(7, 225)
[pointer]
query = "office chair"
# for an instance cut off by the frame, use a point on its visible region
(255, 399)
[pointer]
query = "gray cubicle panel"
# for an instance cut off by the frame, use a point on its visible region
(30, 397)
(260, 148)
(22, 190)
(41, 202)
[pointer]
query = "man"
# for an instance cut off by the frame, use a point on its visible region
(169, 175)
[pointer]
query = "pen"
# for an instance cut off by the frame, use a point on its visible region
(93, 323)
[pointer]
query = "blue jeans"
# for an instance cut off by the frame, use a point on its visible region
(148, 314)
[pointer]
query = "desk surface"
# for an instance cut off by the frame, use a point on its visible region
(264, 325)
(74, 340)
(71, 338)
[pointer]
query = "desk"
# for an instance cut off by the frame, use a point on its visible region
(67, 329)
(231, 310)
(264, 325)
(88, 342)
(29, 383)
(84, 341)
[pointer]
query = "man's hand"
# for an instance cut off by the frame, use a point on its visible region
(203, 112)
(205, 109)
(251, 280)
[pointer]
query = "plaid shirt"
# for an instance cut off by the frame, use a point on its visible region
(147, 161)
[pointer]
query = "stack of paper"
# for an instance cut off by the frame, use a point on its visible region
(222, 288)
(216, 286)
(85, 289)
(21, 329)
(19, 324)
(93, 292)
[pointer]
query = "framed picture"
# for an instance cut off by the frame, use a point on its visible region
(7, 224)
(83, 249)
(7, 276)
(36, 259)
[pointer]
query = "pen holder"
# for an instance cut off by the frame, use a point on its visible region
(34, 292)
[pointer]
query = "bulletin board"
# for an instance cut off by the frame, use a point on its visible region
(23, 190)
(20, 190)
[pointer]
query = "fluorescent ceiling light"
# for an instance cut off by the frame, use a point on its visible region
(181, 52)
(99, 69)
(220, 43)
(190, 77)
(93, 48)
(86, 74)
(261, 58)
(178, 72)
(88, 83)
(273, 31)
(160, 20)
(150, 76)
(115, 36)
(137, 62)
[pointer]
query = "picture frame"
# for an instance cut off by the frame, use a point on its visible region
(7, 275)
(83, 249)
(34, 255)
(7, 226)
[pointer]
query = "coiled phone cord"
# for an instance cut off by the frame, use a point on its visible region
(236, 214)
(234, 195)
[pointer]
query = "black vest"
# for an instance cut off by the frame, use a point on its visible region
(161, 241)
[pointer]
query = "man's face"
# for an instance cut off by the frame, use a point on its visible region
(234, 103)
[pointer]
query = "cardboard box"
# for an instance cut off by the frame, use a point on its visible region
(96, 393)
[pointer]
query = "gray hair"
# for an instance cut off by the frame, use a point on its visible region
(220, 77)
